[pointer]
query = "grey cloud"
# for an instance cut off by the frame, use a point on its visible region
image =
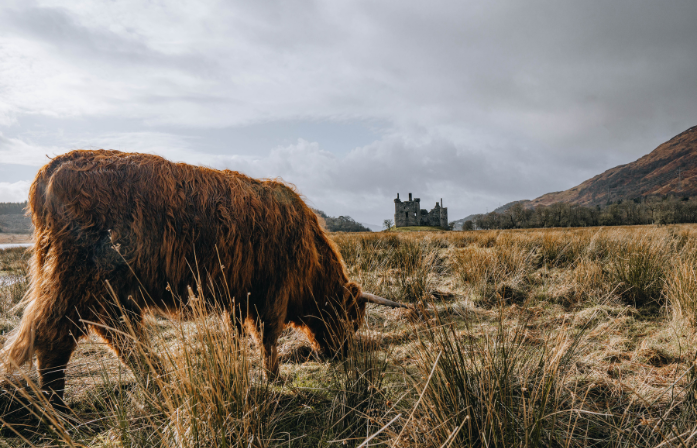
(449, 63)
(364, 182)
(88, 45)
(489, 101)
(12, 172)
(14, 191)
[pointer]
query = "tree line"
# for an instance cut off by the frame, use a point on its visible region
(12, 208)
(654, 210)
(341, 224)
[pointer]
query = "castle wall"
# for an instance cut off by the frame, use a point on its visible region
(434, 216)
(424, 218)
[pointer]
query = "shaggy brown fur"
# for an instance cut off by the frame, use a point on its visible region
(140, 223)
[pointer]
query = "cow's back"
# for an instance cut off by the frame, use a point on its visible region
(122, 214)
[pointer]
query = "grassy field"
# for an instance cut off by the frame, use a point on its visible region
(555, 337)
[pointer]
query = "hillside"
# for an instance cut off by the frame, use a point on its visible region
(458, 224)
(340, 224)
(15, 223)
(670, 169)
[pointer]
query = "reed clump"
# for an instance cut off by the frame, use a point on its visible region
(497, 390)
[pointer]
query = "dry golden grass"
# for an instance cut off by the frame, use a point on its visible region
(552, 337)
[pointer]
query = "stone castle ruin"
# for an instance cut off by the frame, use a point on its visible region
(409, 213)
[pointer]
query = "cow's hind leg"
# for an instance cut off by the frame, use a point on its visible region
(52, 360)
(54, 337)
(270, 352)
(267, 336)
(270, 332)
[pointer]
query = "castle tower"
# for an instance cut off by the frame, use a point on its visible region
(443, 215)
(407, 213)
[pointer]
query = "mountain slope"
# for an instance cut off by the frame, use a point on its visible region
(671, 168)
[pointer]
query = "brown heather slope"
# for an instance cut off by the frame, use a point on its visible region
(654, 174)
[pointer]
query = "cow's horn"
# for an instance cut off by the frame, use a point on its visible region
(372, 298)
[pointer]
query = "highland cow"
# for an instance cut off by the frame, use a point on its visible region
(141, 226)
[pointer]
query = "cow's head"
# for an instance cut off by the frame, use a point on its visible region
(341, 319)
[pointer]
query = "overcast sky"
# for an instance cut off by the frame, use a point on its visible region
(479, 103)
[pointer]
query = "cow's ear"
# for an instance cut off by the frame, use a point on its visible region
(354, 306)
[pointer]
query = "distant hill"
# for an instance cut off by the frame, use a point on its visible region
(524, 202)
(15, 223)
(12, 208)
(460, 222)
(670, 169)
(13, 219)
(339, 224)
(373, 227)
(457, 224)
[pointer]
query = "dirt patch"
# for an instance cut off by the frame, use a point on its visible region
(15, 238)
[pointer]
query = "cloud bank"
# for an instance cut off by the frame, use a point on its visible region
(14, 192)
(477, 103)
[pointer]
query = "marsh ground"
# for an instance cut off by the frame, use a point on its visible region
(553, 337)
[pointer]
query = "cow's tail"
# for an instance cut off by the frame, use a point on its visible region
(19, 346)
